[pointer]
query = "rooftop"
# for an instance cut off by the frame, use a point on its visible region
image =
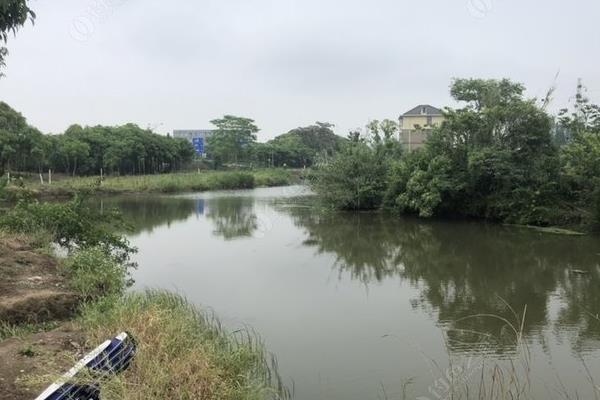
(423, 109)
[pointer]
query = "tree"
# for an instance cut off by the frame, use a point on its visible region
(354, 179)
(303, 146)
(584, 118)
(13, 15)
(493, 158)
(232, 139)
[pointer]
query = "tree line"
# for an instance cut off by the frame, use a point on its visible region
(501, 156)
(126, 149)
(234, 142)
(129, 149)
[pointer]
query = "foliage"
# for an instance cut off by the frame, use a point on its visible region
(232, 140)
(95, 273)
(185, 353)
(72, 225)
(13, 14)
(493, 158)
(496, 158)
(171, 183)
(353, 179)
(584, 118)
(125, 149)
(300, 147)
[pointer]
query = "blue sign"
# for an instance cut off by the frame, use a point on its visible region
(198, 144)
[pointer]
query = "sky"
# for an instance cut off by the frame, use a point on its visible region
(286, 63)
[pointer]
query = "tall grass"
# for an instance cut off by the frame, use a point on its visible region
(183, 353)
(170, 183)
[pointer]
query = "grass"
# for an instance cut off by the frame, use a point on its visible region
(166, 183)
(8, 331)
(183, 353)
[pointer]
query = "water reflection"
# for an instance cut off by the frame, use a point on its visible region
(460, 269)
(468, 269)
(232, 217)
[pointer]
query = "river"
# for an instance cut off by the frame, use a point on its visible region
(360, 306)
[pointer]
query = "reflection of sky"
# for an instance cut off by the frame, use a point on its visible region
(341, 332)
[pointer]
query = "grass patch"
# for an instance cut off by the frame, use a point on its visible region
(8, 331)
(169, 183)
(183, 353)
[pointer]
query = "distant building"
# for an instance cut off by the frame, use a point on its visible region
(197, 137)
(416, 124)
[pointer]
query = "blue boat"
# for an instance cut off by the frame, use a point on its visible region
(111, 357)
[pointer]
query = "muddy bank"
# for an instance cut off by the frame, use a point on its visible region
(32, 288)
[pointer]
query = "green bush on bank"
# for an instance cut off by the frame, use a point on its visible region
(353, 180)
(72, 224)
(94, 273)
(496, 158)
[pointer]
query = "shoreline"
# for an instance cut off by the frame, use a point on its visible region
(164, 183)
(48, 321)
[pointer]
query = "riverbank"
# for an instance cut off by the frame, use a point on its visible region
(163, 183)
(53, 311)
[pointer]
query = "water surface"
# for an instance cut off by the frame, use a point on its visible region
(369, 305)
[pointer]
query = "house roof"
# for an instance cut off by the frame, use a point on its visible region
(423, 109)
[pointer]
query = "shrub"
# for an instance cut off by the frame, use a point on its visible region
(72, 225)
(354, 179)
(95, 273)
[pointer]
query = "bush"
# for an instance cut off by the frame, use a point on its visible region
(354, 179)
(94, 273)
(231, 180)
(71, 225)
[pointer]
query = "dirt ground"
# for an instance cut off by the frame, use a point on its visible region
(30, 364)
(31, 288)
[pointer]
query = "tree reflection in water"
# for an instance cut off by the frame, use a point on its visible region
(465, 269)
(461, 269)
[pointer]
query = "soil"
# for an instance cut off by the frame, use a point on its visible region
(32, 289)
(30, 364)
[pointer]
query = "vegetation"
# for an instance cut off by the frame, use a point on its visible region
(13, 15)
(184, 353)
(299, 148)
(231, 142)
(165, 183)
(72, 225)
(234, 142)
(131, 150)
(94, 274)
(496, 158)
(125, 149)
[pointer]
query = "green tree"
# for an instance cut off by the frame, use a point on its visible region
(493, 158)
(232, 140)
(13, 15)
(354, 179)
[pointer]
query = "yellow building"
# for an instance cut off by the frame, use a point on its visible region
(416, 124)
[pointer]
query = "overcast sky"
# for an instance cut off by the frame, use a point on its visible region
(286, 63)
